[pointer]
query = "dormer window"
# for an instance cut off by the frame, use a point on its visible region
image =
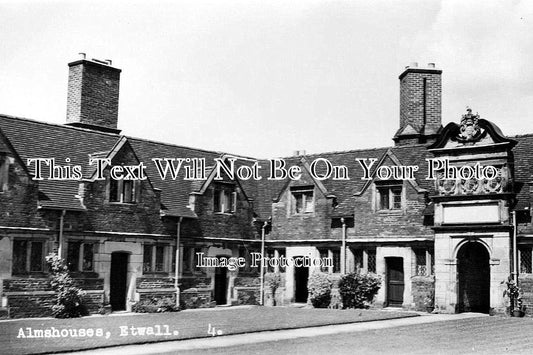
(124, 191)
(224, 198)
(389, 196)
(302, 200)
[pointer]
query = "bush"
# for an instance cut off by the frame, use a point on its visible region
(319, 287)
(358, 290)
(273, 281)
(69, 303)
(155, 305)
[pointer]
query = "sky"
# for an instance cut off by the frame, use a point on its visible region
(266, 78)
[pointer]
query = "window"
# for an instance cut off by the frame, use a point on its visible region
(389, 196)
(271, 255)
(334, 264)
(80, 256)
(281, 255)
(371, 260)
(224, 198)
(365, 260)
(423, 262)
(525, 260)
(358, 259)
(324, 253)
(124, 191)
(302, 200)
(28, 256)
(190, 260)
(336, 255)
(154, 258)
(4, 172)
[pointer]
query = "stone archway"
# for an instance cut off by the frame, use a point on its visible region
(473, 278)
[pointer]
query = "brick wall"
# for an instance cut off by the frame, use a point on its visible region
(227, 225)
(32, 297)
(287, 225)
(18, 204)
(93, 92)
(526, 285)
(406, 222)
(412, 99)
(140, 217)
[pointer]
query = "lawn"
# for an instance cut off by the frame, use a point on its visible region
(56, 335)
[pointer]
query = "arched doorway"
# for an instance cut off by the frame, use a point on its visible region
(473, 275)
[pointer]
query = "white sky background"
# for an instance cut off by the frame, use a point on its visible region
(265, 78)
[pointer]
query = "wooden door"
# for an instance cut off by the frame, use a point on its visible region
(395, 282)
(118, 281)
(301, 274)
(221, 287)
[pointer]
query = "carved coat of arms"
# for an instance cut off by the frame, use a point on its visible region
(469, 129)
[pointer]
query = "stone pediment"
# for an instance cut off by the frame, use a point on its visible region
(471, 131)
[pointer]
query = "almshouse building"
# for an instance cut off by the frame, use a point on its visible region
(447, 236)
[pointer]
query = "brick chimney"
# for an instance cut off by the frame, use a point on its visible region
(420, 105)
(93, 88)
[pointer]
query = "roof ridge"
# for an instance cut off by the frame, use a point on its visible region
(189, 148)
(58, 125)
(363, 149)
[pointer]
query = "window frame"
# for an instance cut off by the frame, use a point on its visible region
(302, 193)
(28, 257)
(368, 260)
(520, 259)
(153, 262)
(118, 197)
(334, 254)
(427, 268)
(83, 246)
(392, 189)
(222, 194)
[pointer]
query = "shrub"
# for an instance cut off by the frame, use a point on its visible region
(69, 303)
(155, 305)
(273, 281)
(319, 290)
(358, 290)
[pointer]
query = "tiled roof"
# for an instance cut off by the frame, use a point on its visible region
(33, 139)
(523, 169)
(174, 193)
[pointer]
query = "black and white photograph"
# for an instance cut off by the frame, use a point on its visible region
(266, 177)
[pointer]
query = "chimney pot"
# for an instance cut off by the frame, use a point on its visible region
(431, 65)
(82, 55)
(414, 65)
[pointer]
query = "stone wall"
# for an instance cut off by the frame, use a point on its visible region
(526, 285)
(408, 221)
(247, 290)
(423, 287)
(287, 225)
(34, 297)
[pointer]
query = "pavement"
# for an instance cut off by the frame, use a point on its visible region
(228, 341)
